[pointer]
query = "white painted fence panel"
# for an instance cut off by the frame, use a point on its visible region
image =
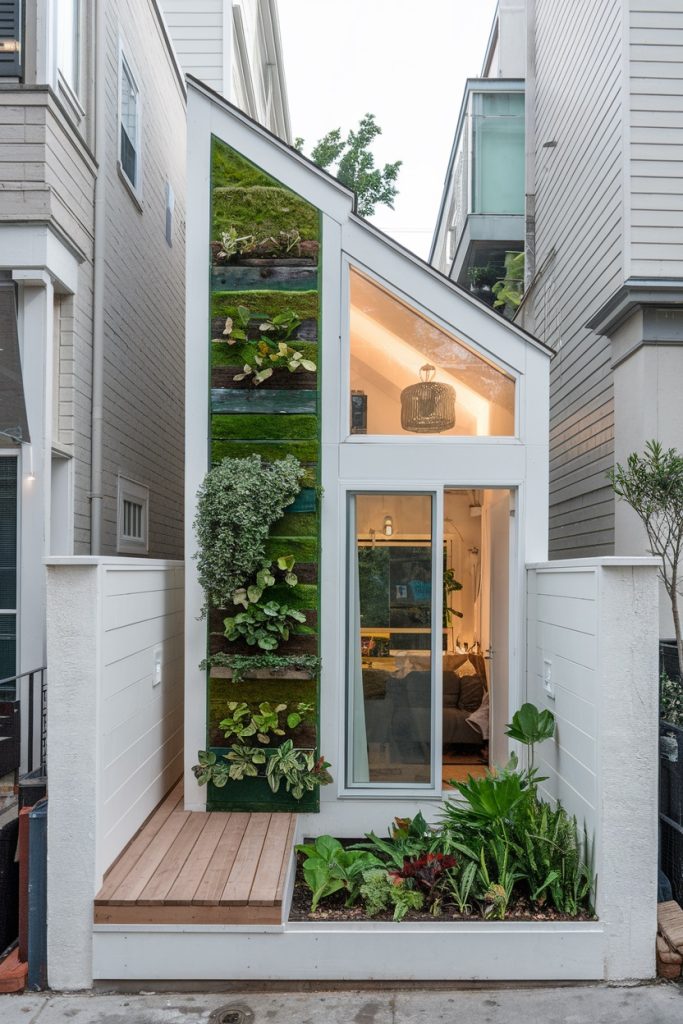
(592, 630)
(115, 739)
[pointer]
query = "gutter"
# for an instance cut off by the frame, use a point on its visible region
(98, 287)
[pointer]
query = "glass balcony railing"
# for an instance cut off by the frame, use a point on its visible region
(488, 169)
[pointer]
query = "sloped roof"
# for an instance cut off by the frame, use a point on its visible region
(312, 169)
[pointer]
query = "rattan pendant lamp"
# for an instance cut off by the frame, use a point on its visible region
(428, 407)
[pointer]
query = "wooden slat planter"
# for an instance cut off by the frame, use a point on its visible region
(232, 400)
(189, 867)
(290, 279)
(282, 380)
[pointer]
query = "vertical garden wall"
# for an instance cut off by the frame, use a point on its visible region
(265, 392)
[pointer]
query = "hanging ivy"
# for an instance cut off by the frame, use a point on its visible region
(237, 504)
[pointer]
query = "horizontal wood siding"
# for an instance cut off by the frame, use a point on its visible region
(579, 239)
(196, 28)
(656, 142)
(141, 725)
(562, 629)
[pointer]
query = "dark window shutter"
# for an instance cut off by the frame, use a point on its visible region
(11, 39)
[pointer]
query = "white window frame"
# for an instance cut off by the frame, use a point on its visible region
(384, 790)
(350, 263)
(69, 80)
(134, 187)
(130, 490)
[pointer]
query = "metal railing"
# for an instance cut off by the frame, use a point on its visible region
(10, 693)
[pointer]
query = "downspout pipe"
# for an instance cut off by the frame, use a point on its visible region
(100, 224)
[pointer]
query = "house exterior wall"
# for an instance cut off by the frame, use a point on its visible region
(49, 134)
(144, 282)
(200, 31)
(234, 46)
(654, 40)
(603, 215)
(578, 243)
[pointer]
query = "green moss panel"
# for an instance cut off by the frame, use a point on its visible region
(304, 549)
(264, 428)
(230, 355)
(295, 524)
(273, 421)
(265, 303)
(262, 211)
(305, 451)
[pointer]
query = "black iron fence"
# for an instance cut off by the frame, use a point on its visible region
(23, 696)
(671, 784)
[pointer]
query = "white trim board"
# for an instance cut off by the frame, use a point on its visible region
(460, 951)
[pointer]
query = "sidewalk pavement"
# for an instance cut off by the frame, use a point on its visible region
(580, 1004)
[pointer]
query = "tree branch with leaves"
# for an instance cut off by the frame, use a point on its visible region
(352, 163)
(652, 484)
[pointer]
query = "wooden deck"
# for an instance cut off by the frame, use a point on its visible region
(189, 867)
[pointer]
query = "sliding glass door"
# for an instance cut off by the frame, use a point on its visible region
(391, 640)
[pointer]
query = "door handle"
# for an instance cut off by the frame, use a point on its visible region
(489, 653)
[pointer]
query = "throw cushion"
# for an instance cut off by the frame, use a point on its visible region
(451, 689)
(471, 693)
(467, 669)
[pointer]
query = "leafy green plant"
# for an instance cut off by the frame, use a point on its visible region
(329, 868)
(459, 886)
(450, 586)
(241, 665)
(378, 893)
(531, 726)
(408, 838)
(237, 503)
(297, 769)
(264, 625)
(355, 165)
(244, 763)
(232, 244)
(272, 348)
(265, 579)
(670, 700)
(508, 292)
(652, 484)
(263, 723)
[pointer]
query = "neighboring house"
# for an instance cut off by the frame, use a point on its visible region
(234, 46)
(92, 259)
(599, 211)
(406, 487)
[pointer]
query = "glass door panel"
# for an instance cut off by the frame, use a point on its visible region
(391, 634)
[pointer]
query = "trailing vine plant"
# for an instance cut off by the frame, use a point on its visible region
(237, 504)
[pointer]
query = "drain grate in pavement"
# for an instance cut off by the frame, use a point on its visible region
(233, 1013)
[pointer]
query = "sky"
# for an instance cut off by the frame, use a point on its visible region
(402, 60)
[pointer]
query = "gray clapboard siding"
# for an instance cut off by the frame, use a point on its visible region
(196, 28)
(579, 215)
(655, 167)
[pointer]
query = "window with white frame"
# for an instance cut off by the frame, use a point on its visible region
(129, 128)
(132, 518)
(68, 42)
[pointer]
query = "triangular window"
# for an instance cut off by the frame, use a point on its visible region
(410, 377)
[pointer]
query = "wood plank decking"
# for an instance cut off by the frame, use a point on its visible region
(189, 867)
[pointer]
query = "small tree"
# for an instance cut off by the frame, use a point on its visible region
(652, 484)
(355, 165)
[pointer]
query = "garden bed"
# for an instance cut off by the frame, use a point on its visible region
(334, 909)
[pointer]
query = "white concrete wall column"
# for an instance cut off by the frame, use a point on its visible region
(35, 323)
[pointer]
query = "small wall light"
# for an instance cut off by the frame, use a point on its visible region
(388, 528)
(30, 475)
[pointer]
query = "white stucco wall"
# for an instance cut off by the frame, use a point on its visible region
(115, 735)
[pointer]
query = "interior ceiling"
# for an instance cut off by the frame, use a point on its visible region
(431, 343)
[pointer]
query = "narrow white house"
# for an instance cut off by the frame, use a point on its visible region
(415, 422)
